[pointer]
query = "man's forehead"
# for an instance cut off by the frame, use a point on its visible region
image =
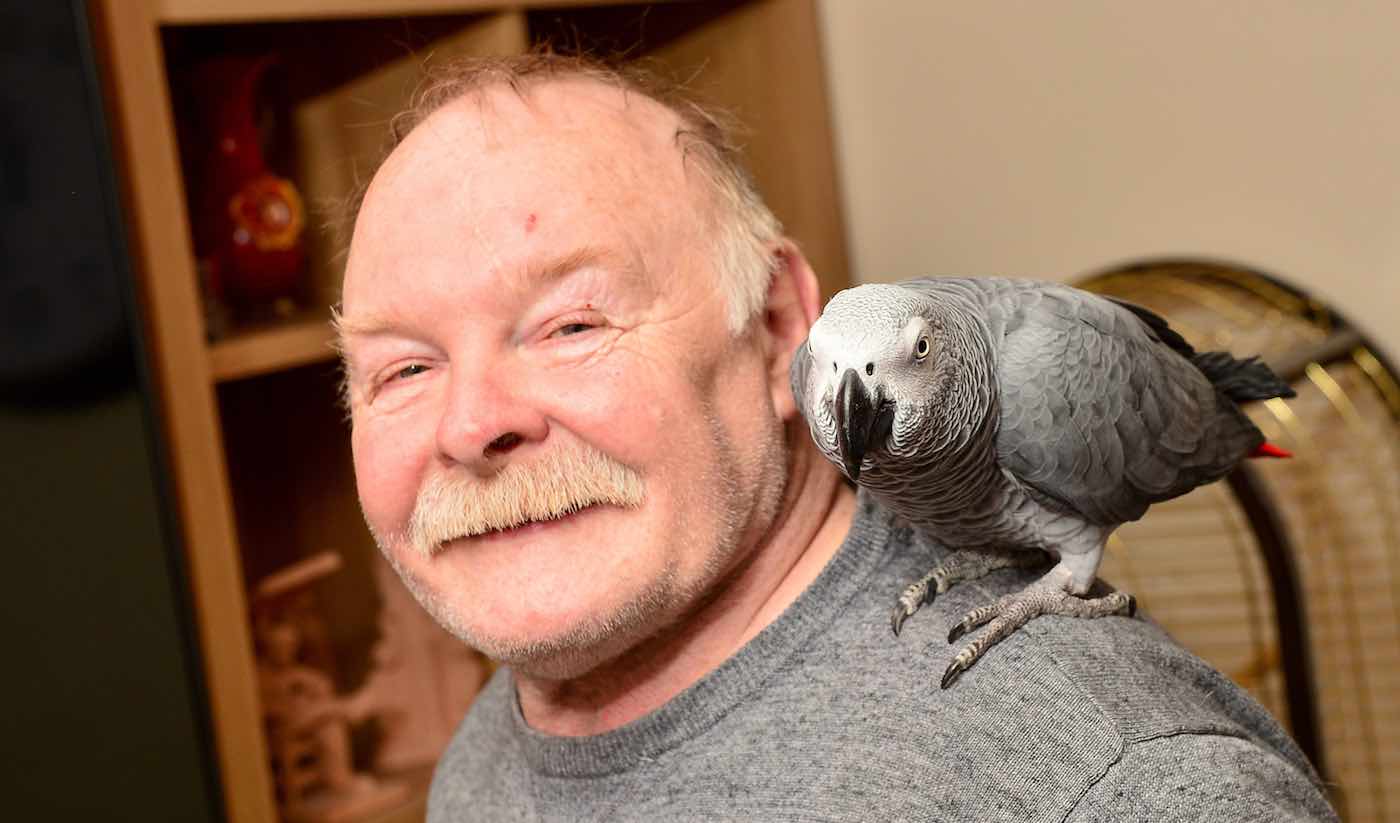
(551, 149)
(559, 131)
(579, 102)
(584, 112)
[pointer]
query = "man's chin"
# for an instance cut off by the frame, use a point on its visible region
(564, 664)
(567, 655)
(569, 638)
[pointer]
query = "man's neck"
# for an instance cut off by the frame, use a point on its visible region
(817, 514)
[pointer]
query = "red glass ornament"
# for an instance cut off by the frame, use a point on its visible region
(248, 221)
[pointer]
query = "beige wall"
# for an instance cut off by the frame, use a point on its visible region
(1048, 139)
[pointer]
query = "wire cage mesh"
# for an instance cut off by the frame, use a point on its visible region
(1324, 657)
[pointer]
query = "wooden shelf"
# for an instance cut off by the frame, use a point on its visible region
(185, 12)
(251, 353)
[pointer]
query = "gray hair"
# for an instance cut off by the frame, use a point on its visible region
(746, 227)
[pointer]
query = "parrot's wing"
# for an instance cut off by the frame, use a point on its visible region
(1101, 411)
(1158, 324)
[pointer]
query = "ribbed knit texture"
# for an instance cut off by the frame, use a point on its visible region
(825, 715)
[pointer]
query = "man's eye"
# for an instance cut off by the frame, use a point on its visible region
(572, 328)
(410, 370)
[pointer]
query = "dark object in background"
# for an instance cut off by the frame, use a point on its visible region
(63, 335)
(104, 711)
(248, 221)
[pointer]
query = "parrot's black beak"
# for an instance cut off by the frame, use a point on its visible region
(862, 421)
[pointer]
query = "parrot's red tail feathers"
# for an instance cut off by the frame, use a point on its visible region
(1270, 450)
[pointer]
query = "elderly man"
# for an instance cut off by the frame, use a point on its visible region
(567, 326)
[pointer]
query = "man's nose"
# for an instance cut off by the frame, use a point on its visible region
(485, 419)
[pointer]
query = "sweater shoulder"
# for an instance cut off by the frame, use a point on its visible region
(478, 770)
(1125, 673)
(1025, 732)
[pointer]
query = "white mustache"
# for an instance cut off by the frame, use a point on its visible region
(558, 483)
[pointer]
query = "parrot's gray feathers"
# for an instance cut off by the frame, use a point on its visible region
(1095, 407)
(1240, 380)
(1100, 410)
(1010, 417)
(1158, 324)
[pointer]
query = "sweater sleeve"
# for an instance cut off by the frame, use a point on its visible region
(1191, 777)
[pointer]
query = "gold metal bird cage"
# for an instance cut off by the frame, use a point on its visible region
(1287, 576)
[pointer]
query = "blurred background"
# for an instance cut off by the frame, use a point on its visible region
(1055, 139)
(191, 577)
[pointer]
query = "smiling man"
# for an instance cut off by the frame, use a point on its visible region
(567, 326)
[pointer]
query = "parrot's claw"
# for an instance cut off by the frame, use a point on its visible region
(1013, 611)
(955, 670)
(897, 618)
(964, 565)
(974, 618)
(909, 602)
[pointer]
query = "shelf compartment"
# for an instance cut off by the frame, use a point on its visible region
(270, 349)
(179, 12)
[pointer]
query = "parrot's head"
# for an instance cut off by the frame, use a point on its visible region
(872, 375)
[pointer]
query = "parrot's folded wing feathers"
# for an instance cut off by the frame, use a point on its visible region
(1100, 411)
(1158, 324)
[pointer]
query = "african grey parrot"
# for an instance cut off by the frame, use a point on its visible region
(1011, 419)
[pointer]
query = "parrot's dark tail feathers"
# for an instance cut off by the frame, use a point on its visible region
(1158, 324)
(1241, 380)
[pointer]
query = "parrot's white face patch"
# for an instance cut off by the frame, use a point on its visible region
(497, 317)
(917, 341)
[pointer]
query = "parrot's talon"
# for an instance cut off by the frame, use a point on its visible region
(910, 600)
(1009, 613)
(977, 617)
(897, 618)
(961, 566)
(955, 670)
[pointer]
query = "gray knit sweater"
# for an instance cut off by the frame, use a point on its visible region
(825, 715)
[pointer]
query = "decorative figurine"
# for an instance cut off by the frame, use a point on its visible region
(421, 684)
(308, 725)
(1018, 422)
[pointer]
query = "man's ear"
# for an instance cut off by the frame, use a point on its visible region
(792, 307)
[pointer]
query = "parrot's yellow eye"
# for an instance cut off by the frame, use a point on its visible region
(921, 348)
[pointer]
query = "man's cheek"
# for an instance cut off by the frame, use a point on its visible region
(384, 477)
(615, 406)
(379, 511)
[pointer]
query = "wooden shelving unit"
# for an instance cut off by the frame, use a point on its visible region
(272, 349)
(259, 451)
(197, 12)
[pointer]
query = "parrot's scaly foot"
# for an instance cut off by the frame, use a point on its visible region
(1013, 611)
(968, 564)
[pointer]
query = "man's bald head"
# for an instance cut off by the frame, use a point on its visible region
(744, 229)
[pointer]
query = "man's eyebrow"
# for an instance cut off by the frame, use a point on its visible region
(532, 276)
(536, 275)
(365, 326)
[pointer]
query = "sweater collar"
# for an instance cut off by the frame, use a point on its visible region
(714, 695)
